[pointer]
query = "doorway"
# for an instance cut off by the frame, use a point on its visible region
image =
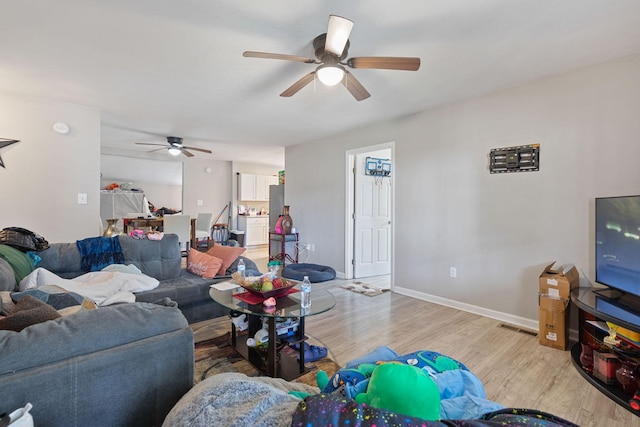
(369, 217)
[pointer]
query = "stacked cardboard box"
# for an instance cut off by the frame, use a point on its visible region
(553, 312)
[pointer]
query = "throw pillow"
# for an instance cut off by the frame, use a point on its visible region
(28, 311)
(202, 264)
(228, 254)
(59, 299)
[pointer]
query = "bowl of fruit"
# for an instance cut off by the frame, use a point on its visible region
(267, 285)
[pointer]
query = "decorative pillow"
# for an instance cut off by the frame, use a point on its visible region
(28, 311)
(228, 254)
(202, 264)
(60, 299)
(6, 303)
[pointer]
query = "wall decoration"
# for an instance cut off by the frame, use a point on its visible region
(377, 167)
(4, 142)
(523, 158)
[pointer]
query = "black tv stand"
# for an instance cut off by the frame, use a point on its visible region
(587, 300)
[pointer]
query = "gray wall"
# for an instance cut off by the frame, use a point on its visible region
(499, 230)
(46, 170)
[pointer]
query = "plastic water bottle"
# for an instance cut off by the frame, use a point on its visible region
(305, 290)
(241, 268)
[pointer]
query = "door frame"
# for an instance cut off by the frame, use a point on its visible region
(349, 237)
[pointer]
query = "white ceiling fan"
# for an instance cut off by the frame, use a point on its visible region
(331, 49)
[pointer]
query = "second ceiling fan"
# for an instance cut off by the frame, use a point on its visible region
(174, 147)
(331, 49)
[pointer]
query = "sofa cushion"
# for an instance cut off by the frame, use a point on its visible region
(28, 311)
(184, 289)
(202, 264)
(7, 277)
(60, 299)
(228, 254)
(87, 331)
(19, 261)
(156, 258)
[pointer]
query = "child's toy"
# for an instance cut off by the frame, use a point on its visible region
(354, 379)
(404, 389)
(431, 361)
(347, 381)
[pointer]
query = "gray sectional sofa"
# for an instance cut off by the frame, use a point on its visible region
(160, 259)
(120, 365)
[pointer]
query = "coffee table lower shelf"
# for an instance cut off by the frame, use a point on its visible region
(287, 365)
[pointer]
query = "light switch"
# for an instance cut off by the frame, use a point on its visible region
(82, 198)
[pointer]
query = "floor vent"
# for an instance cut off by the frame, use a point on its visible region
(518, 329)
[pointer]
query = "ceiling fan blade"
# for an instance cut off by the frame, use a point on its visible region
(294, 88)
(157, 149)
(354, 87)
(338, 32)
(250, 54)
(186, 153)
(385, 63)
(150, 143)
(204, 150)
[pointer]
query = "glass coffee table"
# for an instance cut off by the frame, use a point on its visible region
(273, 362)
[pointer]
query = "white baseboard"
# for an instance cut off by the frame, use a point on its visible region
(481, 311)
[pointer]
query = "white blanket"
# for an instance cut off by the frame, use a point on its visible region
(104, 287)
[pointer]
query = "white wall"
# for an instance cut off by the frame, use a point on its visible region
(46, 170)
(160, 180)
(212, 188)
(499, 230)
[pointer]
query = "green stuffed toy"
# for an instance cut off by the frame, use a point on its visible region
(403, 389)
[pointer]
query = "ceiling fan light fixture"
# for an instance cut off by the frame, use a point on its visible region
(338, 32)
(174, 151)
(330, 75)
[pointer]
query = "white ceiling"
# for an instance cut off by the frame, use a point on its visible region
(168, 67)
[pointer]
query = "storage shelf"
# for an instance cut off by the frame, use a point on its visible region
(585, 299)
(614, 392)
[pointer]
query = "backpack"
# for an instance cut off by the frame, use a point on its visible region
(23, 239)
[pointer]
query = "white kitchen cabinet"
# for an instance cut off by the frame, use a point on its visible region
(262, 191)
(255, 187)
(246, 186)
(256, 229)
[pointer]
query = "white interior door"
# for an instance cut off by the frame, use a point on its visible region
(372, 223)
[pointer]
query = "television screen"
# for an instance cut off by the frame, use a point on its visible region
(618, 243)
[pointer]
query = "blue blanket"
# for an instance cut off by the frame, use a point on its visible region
(99, 252)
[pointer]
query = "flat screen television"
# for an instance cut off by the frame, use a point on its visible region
(618, 243)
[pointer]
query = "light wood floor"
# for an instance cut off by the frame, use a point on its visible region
(515, 369)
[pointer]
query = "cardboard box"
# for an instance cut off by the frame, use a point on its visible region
(553, 322)
(559, 283)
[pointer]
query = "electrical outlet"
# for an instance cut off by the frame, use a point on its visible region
(200, 202)
(453, 272)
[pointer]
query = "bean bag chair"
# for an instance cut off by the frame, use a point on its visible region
(316, 273)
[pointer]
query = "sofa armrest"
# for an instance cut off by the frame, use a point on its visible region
(126, 364)
(7, 277)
